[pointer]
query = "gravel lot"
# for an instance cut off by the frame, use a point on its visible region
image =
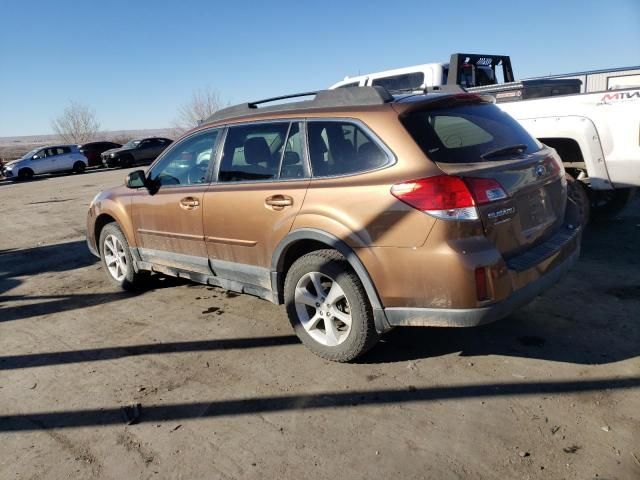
(226, 390)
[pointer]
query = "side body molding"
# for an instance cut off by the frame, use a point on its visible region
(277, 265)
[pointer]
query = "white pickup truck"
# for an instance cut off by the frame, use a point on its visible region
(597, 135)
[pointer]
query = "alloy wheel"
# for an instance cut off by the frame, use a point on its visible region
(115, 257)
(323, 309)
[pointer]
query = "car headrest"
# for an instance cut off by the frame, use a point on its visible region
(256, 151)
(290, 158)
(370, 154)
(317, 144)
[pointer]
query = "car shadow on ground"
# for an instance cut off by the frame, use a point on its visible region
(569, 323)
(61, 257)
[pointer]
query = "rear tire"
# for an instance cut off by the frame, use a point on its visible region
(577, 193)
(25, 174)
(79, 167)
(328, 307)
(117, 259)
(606, 204)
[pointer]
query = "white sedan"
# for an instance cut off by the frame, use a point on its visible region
(57, 158)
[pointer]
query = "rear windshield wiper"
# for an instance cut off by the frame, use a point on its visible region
(498, 152)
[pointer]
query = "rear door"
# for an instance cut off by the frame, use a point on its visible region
(262, 181)
(477, 141)
(56, 160)
(68, 158)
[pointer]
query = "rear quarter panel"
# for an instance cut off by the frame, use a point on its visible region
(359, 209)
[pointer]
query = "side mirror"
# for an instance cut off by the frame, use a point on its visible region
(136, 179)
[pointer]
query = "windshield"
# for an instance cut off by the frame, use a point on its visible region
(131, 144)
(30, 154)
(469, 134)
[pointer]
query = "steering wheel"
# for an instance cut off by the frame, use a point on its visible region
(197, 173)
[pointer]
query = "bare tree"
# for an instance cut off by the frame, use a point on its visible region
(203, 103)
(77, 124)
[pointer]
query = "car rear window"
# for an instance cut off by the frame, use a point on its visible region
(464, 134)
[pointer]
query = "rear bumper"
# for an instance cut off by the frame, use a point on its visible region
(525, 277)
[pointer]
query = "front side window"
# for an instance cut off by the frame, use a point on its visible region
(187, 162)
(341, 148)
(253, 152)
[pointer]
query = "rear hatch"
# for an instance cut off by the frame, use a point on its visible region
(469, 137)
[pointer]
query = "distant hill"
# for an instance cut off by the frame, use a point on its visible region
(15, 147)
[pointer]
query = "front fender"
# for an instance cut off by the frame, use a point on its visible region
(104, 208)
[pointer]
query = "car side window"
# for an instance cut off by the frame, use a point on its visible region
(187, 162)
(64, 150)
(292, 164)
(40, 155)
(342, 148)
(253, 152)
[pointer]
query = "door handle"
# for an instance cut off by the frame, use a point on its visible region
(189, 203)
(278, 202)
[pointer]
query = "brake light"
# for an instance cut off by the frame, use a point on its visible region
(449, 197)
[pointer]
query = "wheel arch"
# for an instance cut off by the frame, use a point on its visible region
(569, 129)
(305, 240)
(101, 221)
(110, 211)
(26, 169)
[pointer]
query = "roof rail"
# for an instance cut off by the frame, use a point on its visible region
(340, 97)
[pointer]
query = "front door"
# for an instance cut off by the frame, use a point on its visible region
(167, 214)
(262, 181)
(39, 162)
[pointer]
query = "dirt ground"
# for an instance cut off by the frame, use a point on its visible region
(226, 390)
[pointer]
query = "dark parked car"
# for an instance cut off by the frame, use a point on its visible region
(93, 150)
(142, 150)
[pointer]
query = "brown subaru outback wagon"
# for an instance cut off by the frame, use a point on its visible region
(358, 210)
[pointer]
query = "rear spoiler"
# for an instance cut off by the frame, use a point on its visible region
(412, 104)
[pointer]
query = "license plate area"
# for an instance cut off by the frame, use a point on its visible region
(535, 210)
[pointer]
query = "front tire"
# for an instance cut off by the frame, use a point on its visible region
(117, 259)
(328, 306)
(126, 161)
(25, 174)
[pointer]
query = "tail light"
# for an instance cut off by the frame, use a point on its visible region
(448, 197)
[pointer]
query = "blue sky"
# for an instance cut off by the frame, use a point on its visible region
(136, 62)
